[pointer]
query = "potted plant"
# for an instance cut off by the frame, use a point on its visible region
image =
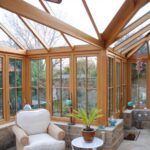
(87, 119)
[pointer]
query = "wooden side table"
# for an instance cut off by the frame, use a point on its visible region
(82, 144)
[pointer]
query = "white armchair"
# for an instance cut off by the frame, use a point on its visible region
(34, 131)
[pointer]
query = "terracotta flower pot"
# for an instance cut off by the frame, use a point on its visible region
(88, 135)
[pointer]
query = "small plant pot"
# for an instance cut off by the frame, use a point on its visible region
(88, 135)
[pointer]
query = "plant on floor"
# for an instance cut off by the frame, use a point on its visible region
(87, 119)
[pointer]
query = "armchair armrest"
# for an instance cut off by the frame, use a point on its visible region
(56, 132)
(20, 135)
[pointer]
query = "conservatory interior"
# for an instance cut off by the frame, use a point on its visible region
(63, 55)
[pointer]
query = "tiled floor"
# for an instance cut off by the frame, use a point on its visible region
(142, 143)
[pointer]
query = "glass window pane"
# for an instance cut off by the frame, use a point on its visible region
(92, 72)
(1, 103)
(19, 72)
(34, 72)
(81, 67)
(92, 98)
(61, 84)
(34, 95)
(42, 97)
(12, 72)
(65, 72)
(65, 96)
(19, 98)
(13, 108)
(42, 73)
(138, 80)
(56, 101)
(81, 98)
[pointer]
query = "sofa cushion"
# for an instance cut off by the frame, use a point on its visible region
(34, 121)
(45, 142)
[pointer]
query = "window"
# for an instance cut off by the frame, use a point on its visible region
(110, 86)
(1, 88)
(38, 83)
(86, 82)
(124, 84)
(15, 85)
(138, 83)
(60, 85)
(118, 86)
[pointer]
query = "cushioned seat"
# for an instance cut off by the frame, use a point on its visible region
(44, 141)
(34, 131)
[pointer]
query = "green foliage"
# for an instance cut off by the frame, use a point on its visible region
(86, 118)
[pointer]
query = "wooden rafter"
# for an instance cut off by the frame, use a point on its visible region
(135, 50)
(91, 18)
(126, 12)
(26, 10)
(134, 36)
(136, 44)
(34, 32)
(47, 10)
(12, 37)
(134, 25)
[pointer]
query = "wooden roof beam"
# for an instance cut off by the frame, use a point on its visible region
(47, 10)
(26, 10)
(135, 50)
(12, 37)
(34, 32)
(91, 19)
(126, 12)
(136, 44)
(134, 36)
(134, 25)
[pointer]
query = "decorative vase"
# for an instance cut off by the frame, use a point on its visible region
(88, 135)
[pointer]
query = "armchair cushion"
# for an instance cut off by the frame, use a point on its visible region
(56, 132)
(44, 141)
(20, 135)
(33, 121)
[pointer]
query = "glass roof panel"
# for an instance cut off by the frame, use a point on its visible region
(142, 51)
(73, 13)
(52, 37)
(125, 37)
(74, 41)
(19, 30)
(6, 41)
(145, 9)
(133, 42)
(103, 11)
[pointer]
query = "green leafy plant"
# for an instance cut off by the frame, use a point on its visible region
(86, 118)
